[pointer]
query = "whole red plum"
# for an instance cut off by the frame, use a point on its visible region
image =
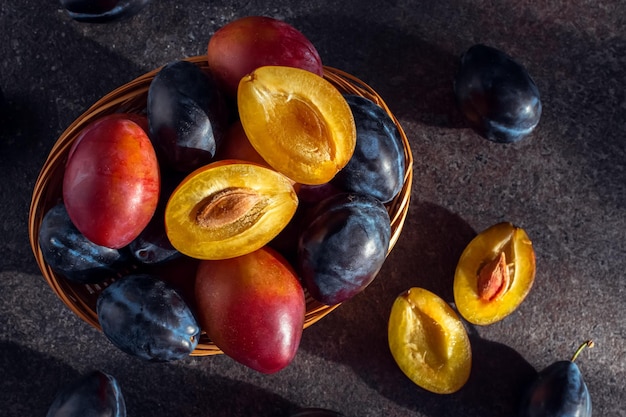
(241, 46)
(111, 182)
(252, 307)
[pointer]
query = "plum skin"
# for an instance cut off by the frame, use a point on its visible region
(69, 253)
(147, 318)
(187, 116)
(111, 182)
(96, 394)
(245, 44)
(252, 307)
(558, 390)
(497, 95)
(344, 245)
(377, 164)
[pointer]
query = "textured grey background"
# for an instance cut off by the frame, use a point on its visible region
(565, 185)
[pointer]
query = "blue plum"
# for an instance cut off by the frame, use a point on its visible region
(96, 394)
(343, 246)
(187, 116)
(497, 95)
(146, 317)
(69, 253)
(559, 390)
(102, 11)
(376, 167)
(152, 246)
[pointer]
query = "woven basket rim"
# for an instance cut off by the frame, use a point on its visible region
(131, 97)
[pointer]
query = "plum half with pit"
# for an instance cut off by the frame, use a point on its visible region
(559, 390)
(494, 274)
(228, 208)
(497, 95)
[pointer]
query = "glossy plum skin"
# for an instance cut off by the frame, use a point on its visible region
(111, 182)
(96, 394)
(69, 253)
(376, 167)
(343, 246)
(497, 95)
(559, 390)
(187, 116)
(241, 46)
(152, 246)
(147, 318)
(252, 307)
(102, 11)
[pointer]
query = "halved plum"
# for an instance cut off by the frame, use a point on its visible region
(298, 122)
(494, 274)
(429, 342)
(228, 208)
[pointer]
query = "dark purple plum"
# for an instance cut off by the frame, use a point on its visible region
(559, 390)
(102, 11)
(315, 412)
(69, 253)
(376, 167)
(497, 95)
(147, 318)
(187, 116)
(343, 246)
(152, 246)
(96, 394)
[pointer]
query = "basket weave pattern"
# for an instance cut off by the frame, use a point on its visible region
(131, 98)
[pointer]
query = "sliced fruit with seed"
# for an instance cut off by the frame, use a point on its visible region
(228, 208)
(494, 274)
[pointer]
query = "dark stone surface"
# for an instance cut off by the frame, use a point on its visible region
(565, 185)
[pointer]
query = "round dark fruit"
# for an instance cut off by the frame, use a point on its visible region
(559, 390)
(497, 95)
(376, 167)
(69, 253)
(146, 317)
(187, 116)
(343, 246)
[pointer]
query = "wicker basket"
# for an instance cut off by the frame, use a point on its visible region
(131, 97)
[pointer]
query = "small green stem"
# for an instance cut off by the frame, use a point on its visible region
(588, 343)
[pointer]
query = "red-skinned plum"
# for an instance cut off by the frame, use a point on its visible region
(111, 182)
(252, 307)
